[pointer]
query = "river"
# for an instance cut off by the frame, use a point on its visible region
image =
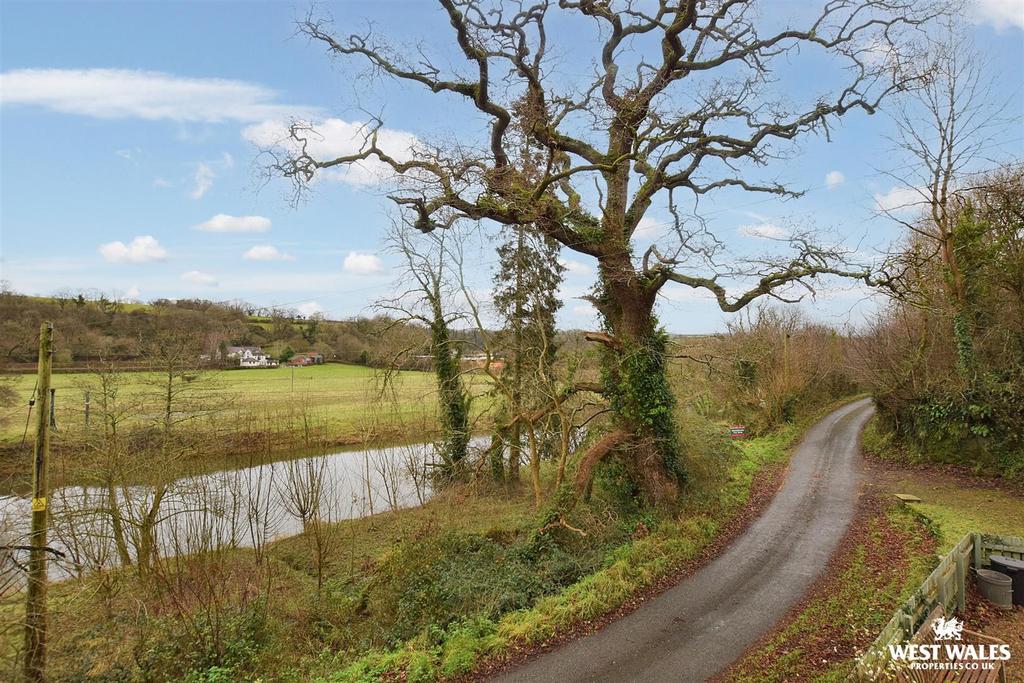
(236, 508)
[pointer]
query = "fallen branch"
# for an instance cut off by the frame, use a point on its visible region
(603, 338)
(30, 548)
(560, 522)
(540, 412)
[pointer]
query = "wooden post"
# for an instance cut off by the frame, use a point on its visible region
(35, 602)
(961, 581)
(87, 397)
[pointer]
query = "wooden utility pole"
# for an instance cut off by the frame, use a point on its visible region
(785, 361)
(35, 602)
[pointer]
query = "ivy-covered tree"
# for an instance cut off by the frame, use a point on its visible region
(427, 299)
(947, 372)
(943, 129)
(311, 329)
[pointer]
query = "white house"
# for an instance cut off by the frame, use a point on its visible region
(250, 357)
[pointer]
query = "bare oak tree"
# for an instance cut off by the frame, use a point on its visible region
(680, 101)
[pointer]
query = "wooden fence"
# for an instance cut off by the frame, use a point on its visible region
(946, 585)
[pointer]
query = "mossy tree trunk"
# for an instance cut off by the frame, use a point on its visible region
(635, 379)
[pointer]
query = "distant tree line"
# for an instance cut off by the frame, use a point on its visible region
(90, 327)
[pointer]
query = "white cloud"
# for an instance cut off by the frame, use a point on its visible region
(764, 230)
(843, 290)
(648, 228)
(575, 267)
(878, 52)
(161, 182)
(1002, 14)
(310, 308)
(142, 249)
(332, 138)
(899, 199)
(584, 309)
(363, 264)
(266, 252)
(223, 222)
(203, 180)
(133, 292)
(678, 292)
(195, 277)
(834, 179)
(301, 283)
(151, 95)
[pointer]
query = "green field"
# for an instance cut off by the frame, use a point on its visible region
(346, 402)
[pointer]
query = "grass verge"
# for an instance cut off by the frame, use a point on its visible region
(955, 501)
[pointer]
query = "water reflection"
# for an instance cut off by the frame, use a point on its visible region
(94, 527)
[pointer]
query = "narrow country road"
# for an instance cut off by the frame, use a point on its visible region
(695, 629)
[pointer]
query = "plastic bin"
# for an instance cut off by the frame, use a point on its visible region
(996, 587)
(1015, 570)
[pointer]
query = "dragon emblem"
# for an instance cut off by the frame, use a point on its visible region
(948, 629)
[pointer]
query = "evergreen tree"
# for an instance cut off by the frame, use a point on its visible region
(526, 298)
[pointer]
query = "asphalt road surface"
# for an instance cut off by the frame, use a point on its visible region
(700, 626)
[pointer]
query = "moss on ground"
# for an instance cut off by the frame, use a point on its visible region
(957, 503)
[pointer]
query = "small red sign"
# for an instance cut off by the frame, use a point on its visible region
(738, 431)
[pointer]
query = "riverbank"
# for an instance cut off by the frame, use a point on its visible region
(76, 463)
(657, 555)
(434, 591)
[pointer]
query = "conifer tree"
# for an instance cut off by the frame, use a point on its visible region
(526, 298)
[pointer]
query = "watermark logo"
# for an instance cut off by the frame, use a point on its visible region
(950, 649)
(948, 629)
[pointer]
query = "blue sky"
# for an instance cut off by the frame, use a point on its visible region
(127, 162)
